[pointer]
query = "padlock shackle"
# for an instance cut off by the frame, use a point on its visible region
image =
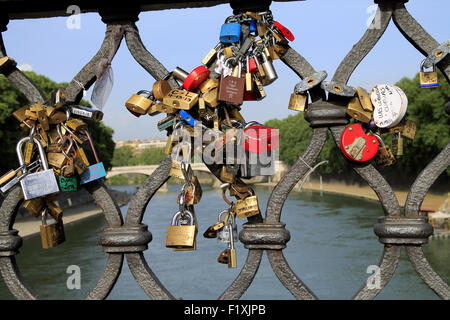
(44, 217)
(178, 215)
(422, 66)
(42, 155)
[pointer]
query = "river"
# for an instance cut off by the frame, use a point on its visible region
(332, 245)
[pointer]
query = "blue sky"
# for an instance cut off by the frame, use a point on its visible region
(325, 31)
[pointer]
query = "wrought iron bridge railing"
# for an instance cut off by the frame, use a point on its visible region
(128, 238)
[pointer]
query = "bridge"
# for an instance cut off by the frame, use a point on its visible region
(200, 169)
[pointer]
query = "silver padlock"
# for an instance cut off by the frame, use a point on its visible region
(271, 74)
(223, 235)
(37, 184)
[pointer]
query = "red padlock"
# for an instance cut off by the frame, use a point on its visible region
(249, 96)
(284, 31)
(195, 78)
(356, 145)
(252, 66)
(260, 139)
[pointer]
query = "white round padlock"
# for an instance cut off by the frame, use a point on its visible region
(390, 104)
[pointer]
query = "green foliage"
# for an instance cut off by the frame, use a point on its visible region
(12, 99)
(124, 156)
(425, 107)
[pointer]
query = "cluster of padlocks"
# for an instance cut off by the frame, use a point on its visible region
(52, 159)
(381, 111)
(210, 98)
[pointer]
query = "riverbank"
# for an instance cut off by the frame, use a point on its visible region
(28, 226)
(431, 201)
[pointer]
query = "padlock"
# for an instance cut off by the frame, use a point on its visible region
(208, 85)
(230, 32)
(138, 104)
(76, 124)
(53, 209)
(247, 207)
(51, 234)
(269, 70)
(160, 89)
(195, 78)
(211, 98)
(232, 258)
(180, 99)
(397, 144)
(211, 232)
(364, 99)
(298, 102)
(84, 112)
(57, 117)
(166, 123)
(223, 257)
(40, 183)
(183, 150)
(211, 55)
(34, 206)
(223, 234)
(356, 111)
(390, 105)
(384, 156)
(428, 79)
(95, 171)
(181, 235)
(259, 138)
(67, 183)
(356, 145)
(231, 89)
(284, 31)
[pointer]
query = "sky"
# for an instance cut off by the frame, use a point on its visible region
(324, 30)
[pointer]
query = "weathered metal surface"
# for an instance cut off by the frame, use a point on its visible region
(399, 228)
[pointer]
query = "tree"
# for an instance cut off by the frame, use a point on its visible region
(12, 99)
(122, 156)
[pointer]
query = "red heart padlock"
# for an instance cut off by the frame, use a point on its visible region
(285, 31)
(260, 139)
(356, 145)
(195, 78)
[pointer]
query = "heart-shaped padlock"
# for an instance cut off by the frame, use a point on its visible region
(356, 145)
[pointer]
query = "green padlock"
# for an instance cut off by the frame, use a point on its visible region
(68, 183)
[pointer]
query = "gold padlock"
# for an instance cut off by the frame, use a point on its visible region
(181, 99)
(160, 89)
(76, 124)
(364, 99)
(428, 79)
(57, 117)
(225, 176)
(356, 111)
(223, 257)
(298, 102)
(181, 236)
(139, 104)
(247, 207)
(56, 160)
(212, 98)
(51, 234)
(208, 85)
(34, 206)
(19, 114)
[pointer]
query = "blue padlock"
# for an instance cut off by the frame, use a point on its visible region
(92, 173)
(187, 117)
(253, 26)
(230, 32)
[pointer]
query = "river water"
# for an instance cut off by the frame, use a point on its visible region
(332, 245)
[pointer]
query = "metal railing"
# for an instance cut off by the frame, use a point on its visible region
(128, 238)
